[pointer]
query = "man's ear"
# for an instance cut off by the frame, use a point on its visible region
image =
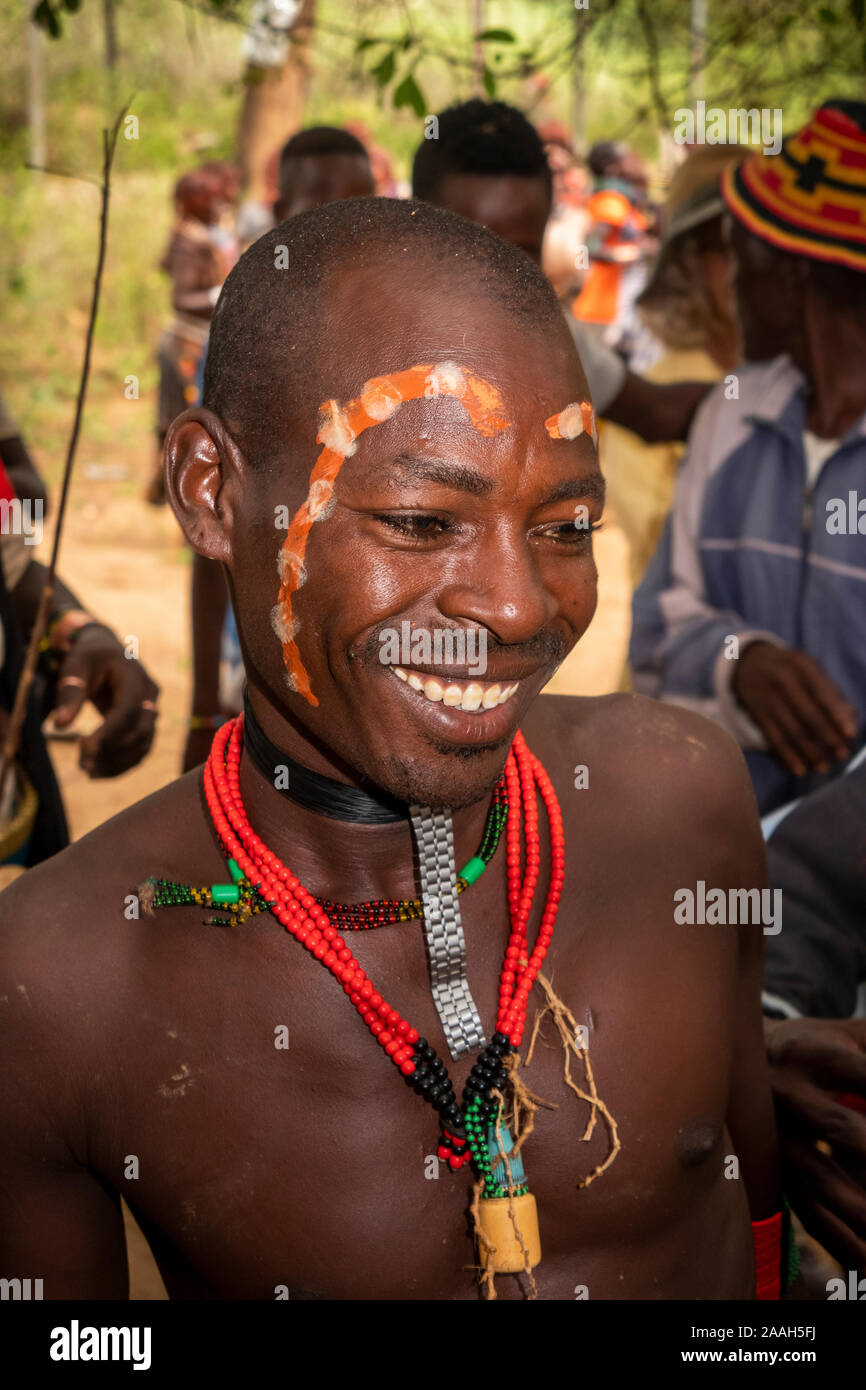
(202, 473)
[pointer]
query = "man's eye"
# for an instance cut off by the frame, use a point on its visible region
(570, 532)
(420, 525)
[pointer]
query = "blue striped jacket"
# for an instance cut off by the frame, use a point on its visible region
(750, 550)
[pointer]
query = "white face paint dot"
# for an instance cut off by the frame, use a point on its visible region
(291, 566)
(335, 431)
(380, 399)
(319, 497)
(446, 379)
(285, 630)
(570, 421)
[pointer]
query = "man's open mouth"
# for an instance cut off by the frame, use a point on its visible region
(468, 695)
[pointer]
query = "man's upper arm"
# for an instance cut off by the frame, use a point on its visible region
(58, 1221)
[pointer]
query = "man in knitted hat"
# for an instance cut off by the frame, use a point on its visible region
(752, 610)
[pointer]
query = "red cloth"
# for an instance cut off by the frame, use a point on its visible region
(7, 491)
(767, 1236)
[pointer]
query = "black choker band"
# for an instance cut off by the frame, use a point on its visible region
(311, 789)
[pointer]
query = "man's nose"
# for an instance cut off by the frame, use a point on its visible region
(498, 585)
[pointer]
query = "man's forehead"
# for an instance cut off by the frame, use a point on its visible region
(380, 319)
(441, 426)
(490, 196)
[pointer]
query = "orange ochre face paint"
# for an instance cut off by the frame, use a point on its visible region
(339, 427)
(571, 421)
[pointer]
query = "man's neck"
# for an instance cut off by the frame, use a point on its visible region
(833, 353)
(343, 860)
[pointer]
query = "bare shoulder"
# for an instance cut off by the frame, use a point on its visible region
(68, 927)
(656, 767)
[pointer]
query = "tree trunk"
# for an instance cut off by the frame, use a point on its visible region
(273, 106)
(109, 24)
(36, 94)
(698, 46)
(578, 86)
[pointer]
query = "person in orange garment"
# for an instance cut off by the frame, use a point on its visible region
(619, 245)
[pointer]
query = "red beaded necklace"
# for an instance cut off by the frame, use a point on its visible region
(473, 1130)
(302, 916)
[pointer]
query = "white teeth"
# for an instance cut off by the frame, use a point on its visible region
(472, 696)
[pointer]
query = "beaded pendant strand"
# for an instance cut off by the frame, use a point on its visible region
(471, 1130)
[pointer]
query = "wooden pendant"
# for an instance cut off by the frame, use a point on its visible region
(506, 1256)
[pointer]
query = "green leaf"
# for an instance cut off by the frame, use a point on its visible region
(45, 18)
(858, 11)
(489, 83)
(409, 94)
(363, 44)
(72, 5)
(496, 36)
(828, 16)
(384, 70)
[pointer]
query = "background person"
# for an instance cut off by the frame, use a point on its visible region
(81, 660)
(489, 165)
(688, 304)
(752, 608)
(815, 1003)
(620, 244)
(197, 259)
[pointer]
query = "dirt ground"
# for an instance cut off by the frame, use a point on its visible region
(127, 563)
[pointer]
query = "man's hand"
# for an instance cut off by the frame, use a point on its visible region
(96, 669)
(814, 1061)
(806, 721)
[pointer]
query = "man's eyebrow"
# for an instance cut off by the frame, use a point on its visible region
(457, 475)
(591, 485)
(453, 475)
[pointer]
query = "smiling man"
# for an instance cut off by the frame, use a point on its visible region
(317, 1100)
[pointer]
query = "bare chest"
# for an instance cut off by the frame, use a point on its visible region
(278, 1153)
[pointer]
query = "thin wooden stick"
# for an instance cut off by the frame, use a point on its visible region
(25, 680)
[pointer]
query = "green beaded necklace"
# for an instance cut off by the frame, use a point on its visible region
(240, 899)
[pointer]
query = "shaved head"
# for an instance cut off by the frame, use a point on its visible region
(275, 326)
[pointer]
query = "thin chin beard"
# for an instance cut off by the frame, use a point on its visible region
(404, 782)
